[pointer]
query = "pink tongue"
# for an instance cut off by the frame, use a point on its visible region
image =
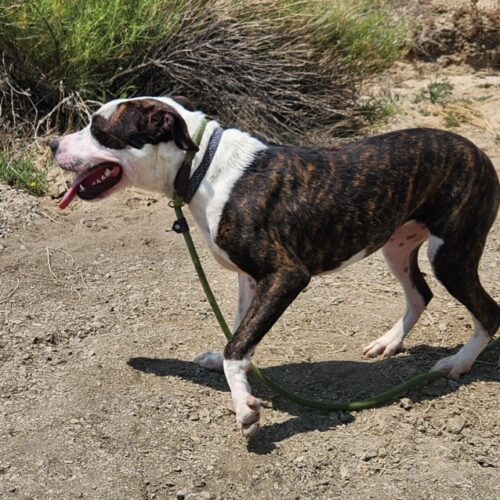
(92, 175)
(66, 200)
(71, 192)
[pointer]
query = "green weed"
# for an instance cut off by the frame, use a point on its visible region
(378, 110)
(451, 120)
(436, 92)
(23, 174)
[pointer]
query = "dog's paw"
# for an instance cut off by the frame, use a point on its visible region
(387, 345)
(247, 417)
(210, 361)
(454, 366)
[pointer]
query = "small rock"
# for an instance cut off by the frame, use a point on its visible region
(442, 327)
(368, 455)
(406, 403)
(485, 462)
(344, 472)
(455, 425)
(180, 495)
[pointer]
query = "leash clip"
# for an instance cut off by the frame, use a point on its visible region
(180, 226)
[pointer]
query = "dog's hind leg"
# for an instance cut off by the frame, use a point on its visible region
(461, 232)
(246, 289)
(455, 265)
(401, 253)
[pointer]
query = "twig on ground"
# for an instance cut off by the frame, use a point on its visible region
(49, 266)
(9, 295)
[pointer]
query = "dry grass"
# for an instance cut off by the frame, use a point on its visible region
(288, 69)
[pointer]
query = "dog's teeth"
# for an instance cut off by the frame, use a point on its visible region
(98, 181)
(81, 188)
(108, 172)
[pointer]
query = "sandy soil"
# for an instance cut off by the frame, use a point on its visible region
(101, 315)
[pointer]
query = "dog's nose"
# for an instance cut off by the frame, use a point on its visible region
(54, 145)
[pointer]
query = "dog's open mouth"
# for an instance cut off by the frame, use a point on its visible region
(92, 184)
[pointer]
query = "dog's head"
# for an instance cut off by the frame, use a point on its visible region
(139, 142)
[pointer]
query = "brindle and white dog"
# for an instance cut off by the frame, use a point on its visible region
(278, 215)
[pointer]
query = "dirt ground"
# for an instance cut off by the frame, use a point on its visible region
(101, 315)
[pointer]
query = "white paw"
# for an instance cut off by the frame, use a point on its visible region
(210, 361)
(387, 345)
(453, 366)
(247, 416)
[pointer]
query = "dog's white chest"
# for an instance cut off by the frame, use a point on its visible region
(234, 154)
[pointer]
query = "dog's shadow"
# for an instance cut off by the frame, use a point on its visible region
(328, 381)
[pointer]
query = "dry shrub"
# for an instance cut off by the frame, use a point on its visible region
(289, 70)
(247, 75)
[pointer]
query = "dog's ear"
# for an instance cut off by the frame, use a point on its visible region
(162, 122)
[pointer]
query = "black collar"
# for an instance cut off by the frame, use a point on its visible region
(187, 186)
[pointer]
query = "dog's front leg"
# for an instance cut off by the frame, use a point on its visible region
(246, 289)
(273, 294)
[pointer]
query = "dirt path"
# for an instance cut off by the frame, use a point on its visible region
(101, 315)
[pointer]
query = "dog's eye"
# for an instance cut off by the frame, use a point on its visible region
(104, 138)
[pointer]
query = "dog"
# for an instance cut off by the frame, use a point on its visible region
(278, 215)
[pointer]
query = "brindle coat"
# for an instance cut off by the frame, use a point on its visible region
(299, 212)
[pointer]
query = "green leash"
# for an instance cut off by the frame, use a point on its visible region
(377, 400)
